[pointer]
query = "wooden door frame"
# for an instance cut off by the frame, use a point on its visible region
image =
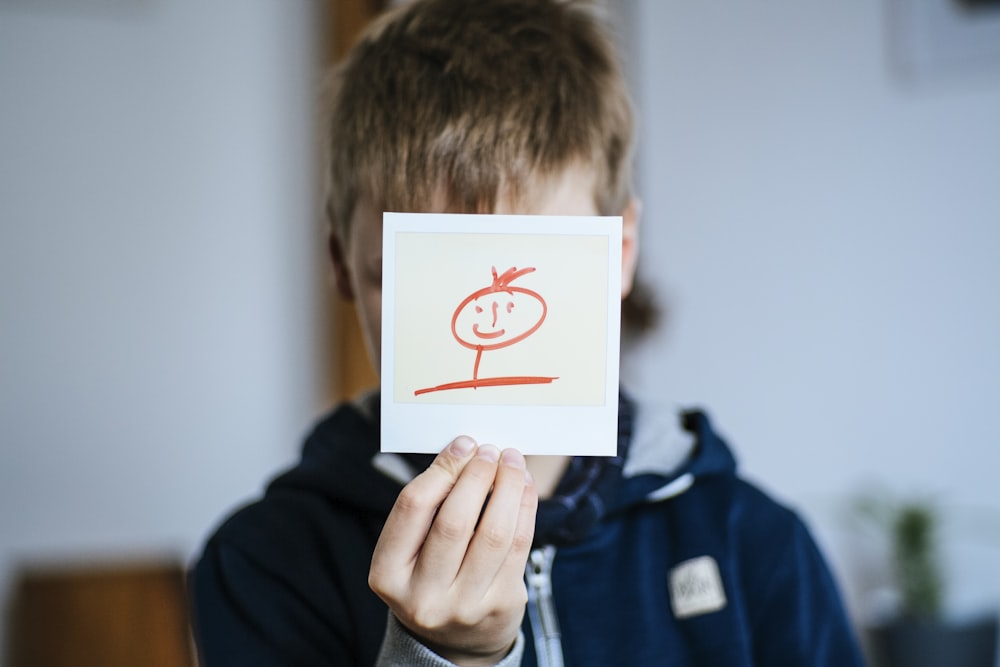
(349, 366)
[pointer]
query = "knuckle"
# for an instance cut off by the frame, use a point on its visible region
(451, 528)
(494, 537)
(468, 617)
(519, 595)
(376, 583)
(511, 597)
(522, 541)
(445, 466)
(383, 583)
(426, 617)
(410, 501)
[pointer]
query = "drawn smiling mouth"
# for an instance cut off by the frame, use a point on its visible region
(490, 334)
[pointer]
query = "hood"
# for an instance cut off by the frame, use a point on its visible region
(672, 447)
(337, 461)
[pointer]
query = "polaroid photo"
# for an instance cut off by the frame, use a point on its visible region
(505, 328)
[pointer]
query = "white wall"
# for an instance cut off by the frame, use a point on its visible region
(826, 236)
(159, 329)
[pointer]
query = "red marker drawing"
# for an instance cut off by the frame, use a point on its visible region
(495, 317)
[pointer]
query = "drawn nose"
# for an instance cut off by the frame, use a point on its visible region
(494, 315)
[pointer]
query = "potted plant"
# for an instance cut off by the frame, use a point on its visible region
(918, 634)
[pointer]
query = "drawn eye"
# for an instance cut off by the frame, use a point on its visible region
(510, 306)
(479, 309)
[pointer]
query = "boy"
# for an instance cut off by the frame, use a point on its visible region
(659, 555)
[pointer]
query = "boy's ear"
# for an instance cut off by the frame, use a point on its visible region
(630, 243)
(341, 276)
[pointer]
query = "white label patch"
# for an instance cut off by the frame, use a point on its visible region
(696, 587)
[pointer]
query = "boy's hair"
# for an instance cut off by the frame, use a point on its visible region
(462, 101)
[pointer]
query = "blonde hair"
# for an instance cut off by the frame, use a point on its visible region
(472, 100)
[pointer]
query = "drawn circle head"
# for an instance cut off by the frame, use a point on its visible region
(499, 314)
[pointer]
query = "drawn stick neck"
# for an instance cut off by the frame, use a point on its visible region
(475, 369)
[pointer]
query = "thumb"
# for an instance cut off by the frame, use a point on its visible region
(411, 517)
(448, 465)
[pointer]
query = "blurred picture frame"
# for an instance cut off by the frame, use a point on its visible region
(943, 38)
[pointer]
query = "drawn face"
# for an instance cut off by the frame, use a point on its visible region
(498, 315)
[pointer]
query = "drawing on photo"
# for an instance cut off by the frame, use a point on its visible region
(492, 318)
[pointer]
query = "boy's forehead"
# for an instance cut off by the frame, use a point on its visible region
(569, 191)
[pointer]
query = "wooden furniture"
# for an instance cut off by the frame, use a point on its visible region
(112, 616)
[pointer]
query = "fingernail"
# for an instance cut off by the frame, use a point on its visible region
(512, 458)
(528, 477)
(462, 446)
(489, 452)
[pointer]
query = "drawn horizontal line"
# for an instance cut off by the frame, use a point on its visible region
(503, 381)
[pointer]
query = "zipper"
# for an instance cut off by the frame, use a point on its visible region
(541, 608)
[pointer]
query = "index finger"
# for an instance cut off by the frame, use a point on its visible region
(410, 519)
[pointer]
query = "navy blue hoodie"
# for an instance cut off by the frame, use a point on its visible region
(685, 565)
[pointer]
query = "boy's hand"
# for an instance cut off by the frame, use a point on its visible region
(451, 571)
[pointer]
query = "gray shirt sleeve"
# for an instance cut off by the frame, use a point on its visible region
(401, 649)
